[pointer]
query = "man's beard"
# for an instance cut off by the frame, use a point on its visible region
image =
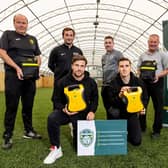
(68, 43)
(78, 76)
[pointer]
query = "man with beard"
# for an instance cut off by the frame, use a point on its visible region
(64, 113)
(61, 56)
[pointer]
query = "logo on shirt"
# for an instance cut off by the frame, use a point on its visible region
(31, 41)
(75, 53)
(63, 54)
(17, 39)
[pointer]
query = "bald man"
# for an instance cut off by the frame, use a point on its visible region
(154, 86)
(18, 46)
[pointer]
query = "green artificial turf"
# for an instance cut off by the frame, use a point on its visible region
(30, 153)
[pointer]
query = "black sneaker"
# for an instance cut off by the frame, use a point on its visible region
(32, 135)
(7, 143)
(155, 135)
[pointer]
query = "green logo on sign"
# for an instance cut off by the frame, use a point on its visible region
(86, 137)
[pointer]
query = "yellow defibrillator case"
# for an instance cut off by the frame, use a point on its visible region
(133, 97)
(74, 93)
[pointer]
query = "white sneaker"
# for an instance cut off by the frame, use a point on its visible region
(53, 155)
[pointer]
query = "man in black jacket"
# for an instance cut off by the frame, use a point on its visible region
(61, 56)
(122, 82)
(70, 110)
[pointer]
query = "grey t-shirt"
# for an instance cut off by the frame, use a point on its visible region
(160, 57)
(110, 65)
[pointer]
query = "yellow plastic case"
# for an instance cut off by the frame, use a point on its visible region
(134, 102)
(76, 102)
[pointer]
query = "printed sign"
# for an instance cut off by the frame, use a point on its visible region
(102, 137)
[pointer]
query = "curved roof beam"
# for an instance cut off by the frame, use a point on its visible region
(122, 38)
(13, 8)
(126, 25)
(100, 32)
(107, 7)
(122, 20)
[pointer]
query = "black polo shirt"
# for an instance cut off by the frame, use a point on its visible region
(18, 45)
(60, 59)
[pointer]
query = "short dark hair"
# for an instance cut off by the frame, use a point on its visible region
(124, 59)
(79, 58)
(68, 29)
(109, 37)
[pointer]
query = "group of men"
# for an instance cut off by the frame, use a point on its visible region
(152, 87)
(68, 65)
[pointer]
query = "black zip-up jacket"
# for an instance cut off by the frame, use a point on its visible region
(114, 88)
(60, 60)
(90, 92)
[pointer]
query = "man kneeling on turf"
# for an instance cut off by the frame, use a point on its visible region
(76, 99)
(123, 84)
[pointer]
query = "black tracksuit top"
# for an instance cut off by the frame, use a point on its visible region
(90, 91)
(115, 86)
(60, 60)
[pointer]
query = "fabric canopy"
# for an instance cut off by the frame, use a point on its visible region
(129, 21)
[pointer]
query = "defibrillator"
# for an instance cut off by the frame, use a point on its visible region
(30, 68)
(74, 94)
(148, 70)
(133, 99)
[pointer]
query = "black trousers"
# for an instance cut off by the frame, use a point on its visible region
(14, 90)
(133, 125)
(134, 129)
(105, 102)
(53, 93)
(155, 91)
(58, 118)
